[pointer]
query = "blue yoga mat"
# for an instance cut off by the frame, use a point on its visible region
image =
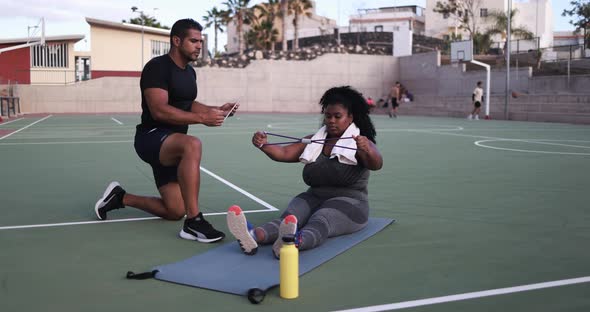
(227, 269)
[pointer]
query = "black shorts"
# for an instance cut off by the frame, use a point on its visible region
(394, 103)
(147, 146)
(477, 104)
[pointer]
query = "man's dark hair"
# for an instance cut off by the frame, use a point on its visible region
(180, 28)
(479, 83)
(356, 105)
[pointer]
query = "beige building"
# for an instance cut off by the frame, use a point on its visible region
(121, 49)
(534, 15)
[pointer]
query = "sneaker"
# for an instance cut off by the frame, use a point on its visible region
(111, 199)
(470, 117)
(199, 229)
(288, 227)
(476, 117)
(238, 226)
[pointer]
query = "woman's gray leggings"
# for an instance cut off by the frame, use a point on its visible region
(320, 218)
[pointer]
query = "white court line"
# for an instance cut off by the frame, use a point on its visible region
(75, 142)
(25, 127)
(115, 120)
(247, 194)
(7, 122)
(480, 143)
(489, 139)
(471, 295)
(16, 227)
(254, 198)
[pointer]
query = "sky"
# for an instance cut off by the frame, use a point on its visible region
(67, 17)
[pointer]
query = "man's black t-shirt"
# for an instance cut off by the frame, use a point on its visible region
(161, 72)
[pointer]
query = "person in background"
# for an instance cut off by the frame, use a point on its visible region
(477, 98)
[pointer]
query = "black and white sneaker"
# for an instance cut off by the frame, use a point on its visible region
(199, 229)
(111, 199)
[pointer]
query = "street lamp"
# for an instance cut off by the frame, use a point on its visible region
(141, 14)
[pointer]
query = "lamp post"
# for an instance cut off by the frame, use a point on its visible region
(141, 14)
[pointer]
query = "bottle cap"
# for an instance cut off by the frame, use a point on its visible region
(289, 238)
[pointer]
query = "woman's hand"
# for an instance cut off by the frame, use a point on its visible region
(362, 143)
(259, 139)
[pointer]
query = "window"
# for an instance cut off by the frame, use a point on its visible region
(50, 55)
(160, 48)
(446, 15)
(483, 12)
(379, 28)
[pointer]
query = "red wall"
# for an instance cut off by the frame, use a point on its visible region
(15, 65)
(114, 73)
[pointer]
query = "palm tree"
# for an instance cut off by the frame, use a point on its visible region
(238, 12)
(284, 12)
(269, 12)
(500, 26)
(298, 8)
(146, 20)
(214, 17)
(481, 43)
(262, 35)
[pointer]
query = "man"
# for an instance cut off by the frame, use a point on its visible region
(168, 92)
(395, 95)
(476, 98)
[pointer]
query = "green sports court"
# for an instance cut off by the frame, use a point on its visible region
(490, 215)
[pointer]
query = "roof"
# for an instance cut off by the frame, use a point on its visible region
(67, 38)
(127, 27)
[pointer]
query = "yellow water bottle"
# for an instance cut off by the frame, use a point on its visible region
(289, 267)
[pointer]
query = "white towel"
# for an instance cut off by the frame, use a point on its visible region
(345, 155)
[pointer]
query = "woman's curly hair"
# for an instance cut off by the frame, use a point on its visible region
(355, 103)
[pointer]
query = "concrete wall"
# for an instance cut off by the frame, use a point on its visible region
(296, 86)
(117, 94)
(263, 86)
(446, 91)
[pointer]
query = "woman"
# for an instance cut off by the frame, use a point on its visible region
(336, 202)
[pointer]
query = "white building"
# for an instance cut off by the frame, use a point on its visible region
(389, 19)
(534, 15)
(402, 21)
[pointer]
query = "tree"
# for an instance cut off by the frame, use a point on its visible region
(214, 18)
(269, 12)
(464, 11)
(580, 9)
(481, 43)
(146, 20)
(238, 12)
(298, 8)
(500, 25)
(262, 36)
(284, 12)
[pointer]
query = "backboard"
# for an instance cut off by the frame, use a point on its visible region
(461, 51)
(35, 36)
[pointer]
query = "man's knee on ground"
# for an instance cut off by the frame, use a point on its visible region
(174, 209)
(174, 214)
